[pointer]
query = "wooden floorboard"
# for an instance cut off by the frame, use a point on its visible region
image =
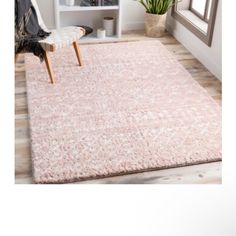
(209, 173)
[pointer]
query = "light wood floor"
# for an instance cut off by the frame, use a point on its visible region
(209, 173)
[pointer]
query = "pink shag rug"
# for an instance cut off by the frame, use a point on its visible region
(132, 107)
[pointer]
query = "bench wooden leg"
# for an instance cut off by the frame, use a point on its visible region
(78, 54)
(49, 68)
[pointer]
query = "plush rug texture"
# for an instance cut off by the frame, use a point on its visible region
(132, 107)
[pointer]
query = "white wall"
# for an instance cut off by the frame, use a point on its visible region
(46, 8)
(211, 57)
(132, 14)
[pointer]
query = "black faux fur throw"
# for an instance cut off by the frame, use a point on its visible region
(27, 29)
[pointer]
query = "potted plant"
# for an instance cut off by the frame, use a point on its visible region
(155, 16)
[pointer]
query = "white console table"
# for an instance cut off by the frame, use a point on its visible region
(62, 11)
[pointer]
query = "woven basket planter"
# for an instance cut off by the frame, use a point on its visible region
(155, 25)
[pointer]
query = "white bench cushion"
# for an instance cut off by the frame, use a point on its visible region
(62, 37)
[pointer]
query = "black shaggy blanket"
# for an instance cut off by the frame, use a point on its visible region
(27, 29)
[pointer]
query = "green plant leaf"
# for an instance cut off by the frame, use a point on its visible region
(159, 7)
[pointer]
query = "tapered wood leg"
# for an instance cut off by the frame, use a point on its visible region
(49, 68)
(78, 54)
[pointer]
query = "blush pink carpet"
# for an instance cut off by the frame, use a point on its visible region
(132, 107)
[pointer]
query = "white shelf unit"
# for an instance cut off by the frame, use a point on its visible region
(63, 11)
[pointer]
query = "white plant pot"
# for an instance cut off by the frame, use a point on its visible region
(108, 25)
(155, 25)
(70, 2)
